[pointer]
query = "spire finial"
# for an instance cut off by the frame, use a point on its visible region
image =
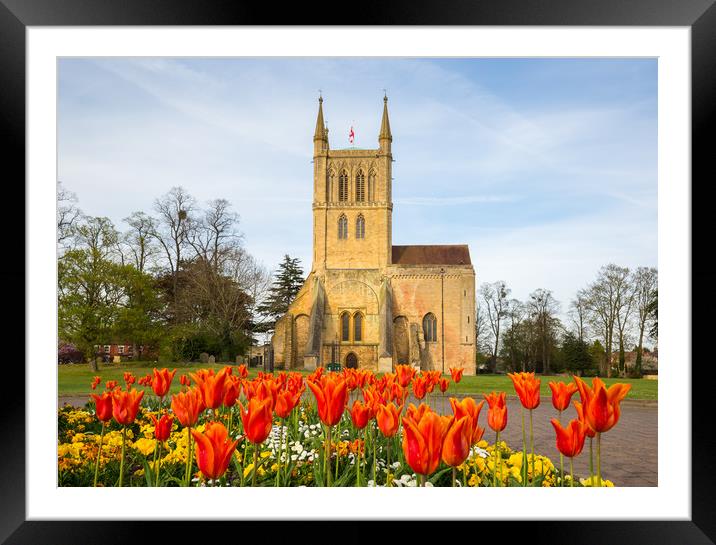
(385, 124)
(320, 96)
(385, 95)
(320, 133)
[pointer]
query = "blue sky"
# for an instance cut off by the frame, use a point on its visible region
(547, 168)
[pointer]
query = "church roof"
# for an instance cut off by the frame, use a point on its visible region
(439, 254)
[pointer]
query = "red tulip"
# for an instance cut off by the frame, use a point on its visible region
(162, 427)
(184, 380)
(211, 386)
(388, 418)
(162, 381)
(111, 384)
(601, 406)
(404, 374)
(95, 381)
(570, 440)
(103, 405)
(125, 405)
(497, 411)
(232, 389)
(331, 396)
(257, 419)
(456, 374)
(243, 371)
(468, 407)
(361, 414)
(561, 394)
(213, 450)
(187, 407)
(129, 379)
(527, 388)
(286, 401)
(580, 414)
(423, 441)
(456, 444)
(444, 384)
(420, 387)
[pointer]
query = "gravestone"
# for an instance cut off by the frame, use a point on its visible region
(212, 359)
(204, 357)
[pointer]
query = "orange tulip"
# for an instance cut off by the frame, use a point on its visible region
(257, 419)
(286, 401)
(420, 387)
(456, 374)
(162, 427)
(405, 374)
(187, 406)
(497, 411)
(601, 405)
(184, 380)
(561, 394)
(162, 381)
(211, 386)
(570, 440)
(444, 384)
(331, 394)
(232, 389)
(423, 441)
(527, 388)
(103, 405)
(580, 414)
(243, 371)
(456, 444)
(388, 418)
(468, 407)
(95, 381)
(129, 379)
(213, 450)
(361, 414)
(125, 405)
(416, 413)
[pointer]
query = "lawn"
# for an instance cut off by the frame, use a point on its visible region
(75, 379)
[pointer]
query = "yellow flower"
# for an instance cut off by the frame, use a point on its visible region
(144, 445)
(265, 454)
(474, 480)
(248, 469)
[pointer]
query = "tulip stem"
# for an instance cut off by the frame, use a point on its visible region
(327, 463)
(121, 462)
(524, 448)
(365, 453)
(571, 472)
(278, 458)
(387, 463)
(256, 465)
(421, 479)
(158, 462)
(532, 447)
(599, 459)
(99, 453)
(497, 453)
(187, 474)
(154, 460)
(375, 481)
(591, 463)
(454, 471)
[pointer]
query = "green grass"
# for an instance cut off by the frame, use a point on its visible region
(75, 379)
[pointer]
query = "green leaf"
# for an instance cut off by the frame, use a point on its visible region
(439, 474)
(147, 473)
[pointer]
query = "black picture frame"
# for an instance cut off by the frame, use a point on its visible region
(699, 15)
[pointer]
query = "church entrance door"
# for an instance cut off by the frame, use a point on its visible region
(351, 360)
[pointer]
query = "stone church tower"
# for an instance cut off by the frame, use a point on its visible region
(367, 303)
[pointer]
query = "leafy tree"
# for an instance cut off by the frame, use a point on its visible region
(654, 315)
(576, 354)
(286, 285)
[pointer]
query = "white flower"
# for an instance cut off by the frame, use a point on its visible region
(294, 457)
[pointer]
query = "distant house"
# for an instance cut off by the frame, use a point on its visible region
(649, 360)
(124, 351)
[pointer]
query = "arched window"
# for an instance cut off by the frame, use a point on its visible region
(329, 187)
(357, 326)
(360, 186)
(371, 186)
(343, 186)
(345, 326)
(360, 227)
(343, 226)
(430, 328)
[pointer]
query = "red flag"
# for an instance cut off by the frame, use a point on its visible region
(351, 135)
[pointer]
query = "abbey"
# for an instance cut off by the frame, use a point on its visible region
(367, 303)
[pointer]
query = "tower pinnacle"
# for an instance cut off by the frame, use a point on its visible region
(385, 124)
(320, 133)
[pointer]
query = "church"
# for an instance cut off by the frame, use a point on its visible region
(367, 303)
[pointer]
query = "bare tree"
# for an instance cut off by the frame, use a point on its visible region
(139, 244)
(578, 313)
(68, 214)
(515, 314)
(481, 328)
(173, 227)
(603, 302)
(495, 297)
(543, 307)
(214, 232)
(645, 285)
(625, 306)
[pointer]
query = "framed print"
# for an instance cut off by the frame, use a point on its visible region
(291, 266)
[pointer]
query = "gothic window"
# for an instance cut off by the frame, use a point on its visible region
(360, 227)
(345, 326)
(343, 186)
(371, 186)
(329, 187)
(342, 227)
(430, 327)
(360, 186)
(357, 326)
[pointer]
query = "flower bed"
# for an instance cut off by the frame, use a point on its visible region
(347, 429)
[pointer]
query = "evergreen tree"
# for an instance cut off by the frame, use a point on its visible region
(287, 283)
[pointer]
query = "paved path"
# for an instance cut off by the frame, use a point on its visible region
(629, 450)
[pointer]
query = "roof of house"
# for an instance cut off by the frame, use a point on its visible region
(439, 254)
